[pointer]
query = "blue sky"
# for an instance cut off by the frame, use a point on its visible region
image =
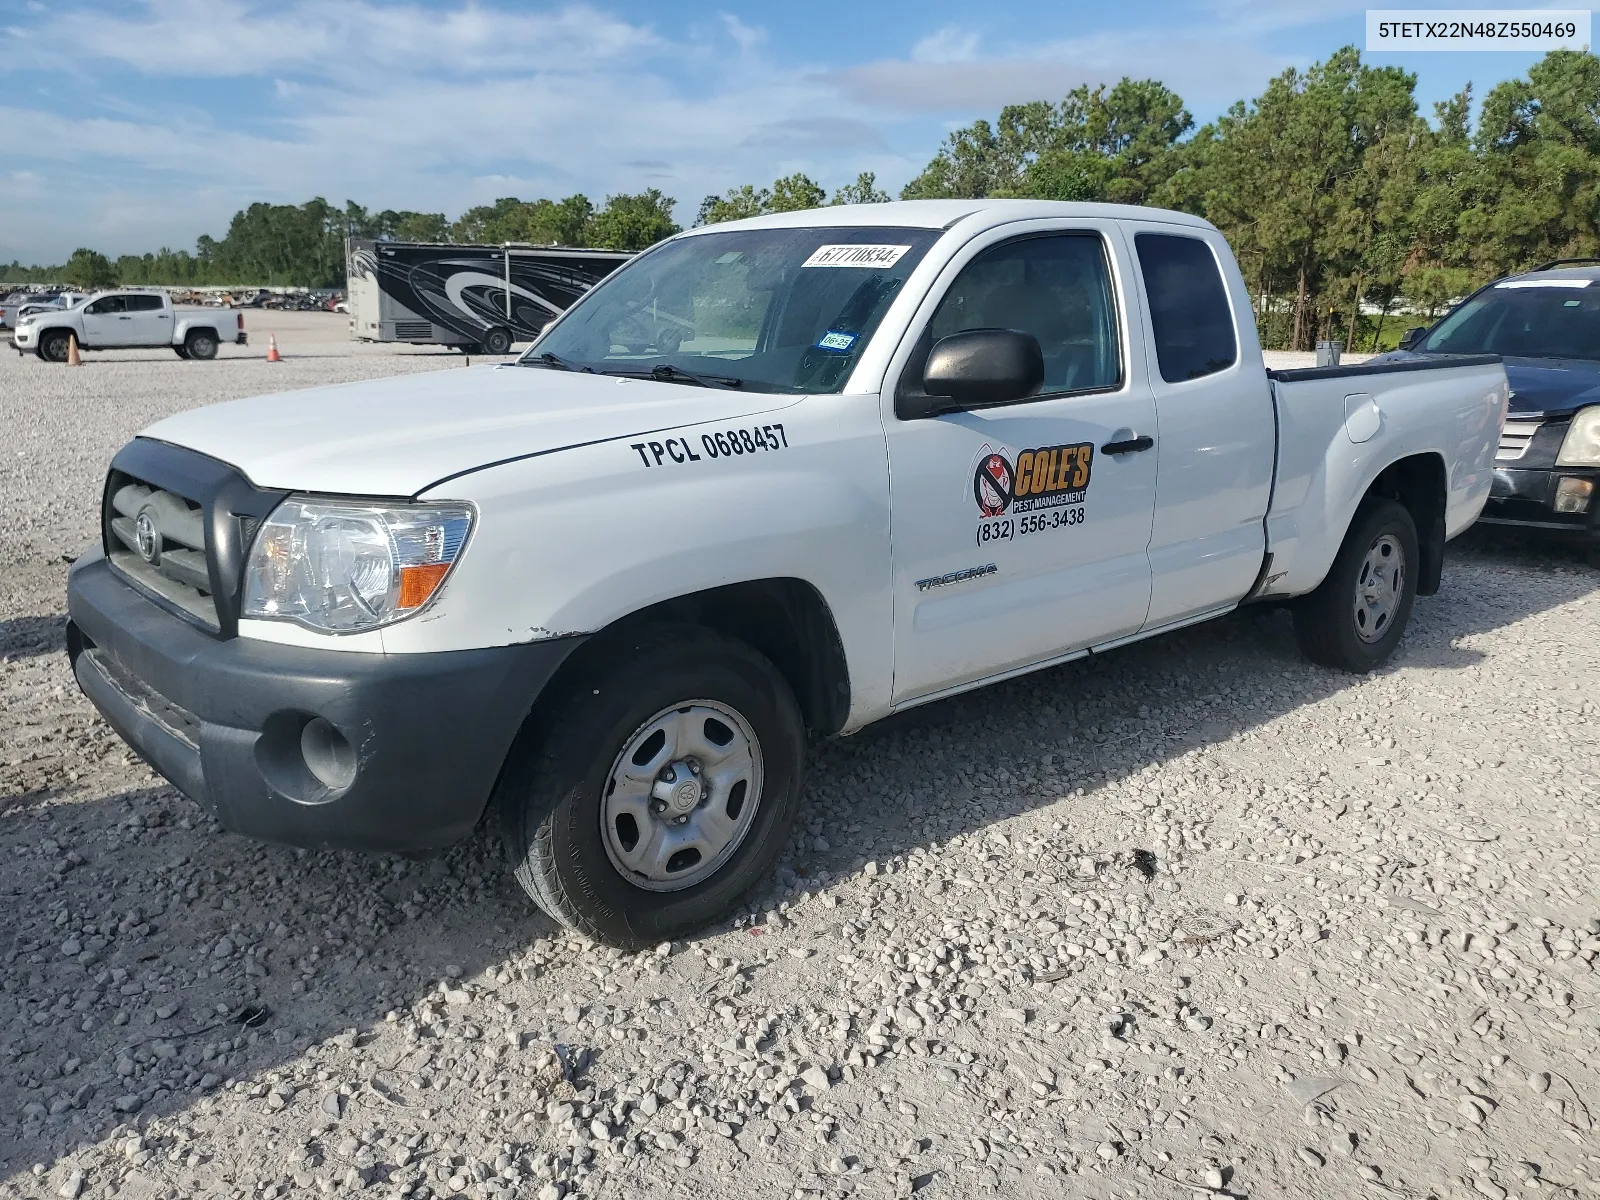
(130, 124)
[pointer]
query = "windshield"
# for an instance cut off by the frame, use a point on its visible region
(768, 310)
(1556, 318)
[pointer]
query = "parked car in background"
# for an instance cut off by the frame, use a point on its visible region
(1545, 325)
(10, 306)
(55, 303)
(611, 585)
(127, 320)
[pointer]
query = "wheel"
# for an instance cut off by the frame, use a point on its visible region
(497, 341)
(181, 351)
(201, 344)
(1354, 620)
(663, 788)
(53, 345)
(470, 348)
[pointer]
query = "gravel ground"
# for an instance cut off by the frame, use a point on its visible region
(1191, 918)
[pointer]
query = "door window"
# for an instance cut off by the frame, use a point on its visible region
(107, 304)
(1056, 287)
(1189, 310)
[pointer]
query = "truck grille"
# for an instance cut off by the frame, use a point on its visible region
(1515, 438)
(156, 539)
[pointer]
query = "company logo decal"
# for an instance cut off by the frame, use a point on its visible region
(1030, 490)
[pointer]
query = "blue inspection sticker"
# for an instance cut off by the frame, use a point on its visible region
(836, 340)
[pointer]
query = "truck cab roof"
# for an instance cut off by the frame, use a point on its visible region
(945, 214)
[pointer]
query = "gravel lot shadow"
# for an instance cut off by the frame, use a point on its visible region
(147, 935)
(25, 637)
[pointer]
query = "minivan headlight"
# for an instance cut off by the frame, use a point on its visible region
(1581, 446)
(341, 568)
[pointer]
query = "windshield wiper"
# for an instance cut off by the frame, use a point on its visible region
(555, 361)
(670, 373)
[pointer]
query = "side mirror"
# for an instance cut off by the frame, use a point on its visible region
(1412, 336)
(978, 368)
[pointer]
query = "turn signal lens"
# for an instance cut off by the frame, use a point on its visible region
(418, 583)
(1572, 495)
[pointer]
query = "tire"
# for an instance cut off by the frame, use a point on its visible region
(1354, 620)
(53, 344)
(470, 348)
(497, 341)
(181, 351)
(558, 791)
(201, 344)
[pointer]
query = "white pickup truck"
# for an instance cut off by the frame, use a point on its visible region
(126, 320)
(804, 470)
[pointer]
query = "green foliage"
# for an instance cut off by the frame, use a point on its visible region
(89, 270)
(1094, 145)
(864, 190)
(632, 222)
(789, 194)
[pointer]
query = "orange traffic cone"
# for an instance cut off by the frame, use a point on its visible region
(73, 357)
(272, 349)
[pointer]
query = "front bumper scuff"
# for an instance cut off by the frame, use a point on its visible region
(222, 718)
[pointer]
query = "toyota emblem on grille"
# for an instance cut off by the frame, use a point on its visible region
(144, 532)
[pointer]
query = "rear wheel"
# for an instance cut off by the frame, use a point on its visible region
(201, 344)
(181, 351)
(663, 789)
(53, 345)
(1357, 617)
(497, 341)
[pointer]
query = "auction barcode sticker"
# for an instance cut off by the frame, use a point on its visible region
(1477, 29)
(855, 256)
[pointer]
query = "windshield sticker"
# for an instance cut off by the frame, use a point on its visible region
(855, 256)
(1544, 283)
(728, 443)
(1030, 491)
(836, 340)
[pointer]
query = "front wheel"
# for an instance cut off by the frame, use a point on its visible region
(663, 789)
(497, 341)
(1354, 620)
(53, 346)
(181, 351)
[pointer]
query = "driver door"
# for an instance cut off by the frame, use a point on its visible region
(106, 322)
(1017, 537)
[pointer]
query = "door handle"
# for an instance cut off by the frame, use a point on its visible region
(124, 318)
(1130, 446)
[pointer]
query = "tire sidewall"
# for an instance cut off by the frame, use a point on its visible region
(492, 338)
(1388, 518)
(607, 718)
(194, 343)
(49, 341)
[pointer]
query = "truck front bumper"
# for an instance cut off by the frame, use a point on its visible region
(304, 746)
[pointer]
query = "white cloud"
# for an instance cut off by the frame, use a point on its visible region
(949, 44)
(748, 37)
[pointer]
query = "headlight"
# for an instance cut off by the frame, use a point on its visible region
(1581, 448)
(341, 568)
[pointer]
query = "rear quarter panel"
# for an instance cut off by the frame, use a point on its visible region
(1323, 472)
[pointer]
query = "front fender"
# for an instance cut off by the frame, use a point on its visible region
(572, 541)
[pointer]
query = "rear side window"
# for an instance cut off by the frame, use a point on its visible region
(1189, 310)
(143, 303)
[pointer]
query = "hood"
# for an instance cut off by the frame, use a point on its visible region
(1552, 386)
(395, 436)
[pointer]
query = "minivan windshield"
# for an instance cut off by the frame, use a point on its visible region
(1524, 318)
(767, 310)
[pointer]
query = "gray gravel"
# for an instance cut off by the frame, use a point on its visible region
(1193, 918)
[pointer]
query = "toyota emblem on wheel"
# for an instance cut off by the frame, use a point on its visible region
(144, 533)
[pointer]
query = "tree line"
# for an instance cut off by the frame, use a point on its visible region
(1341, 201)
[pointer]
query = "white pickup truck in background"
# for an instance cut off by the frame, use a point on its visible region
(127, 320)
(805, 470)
